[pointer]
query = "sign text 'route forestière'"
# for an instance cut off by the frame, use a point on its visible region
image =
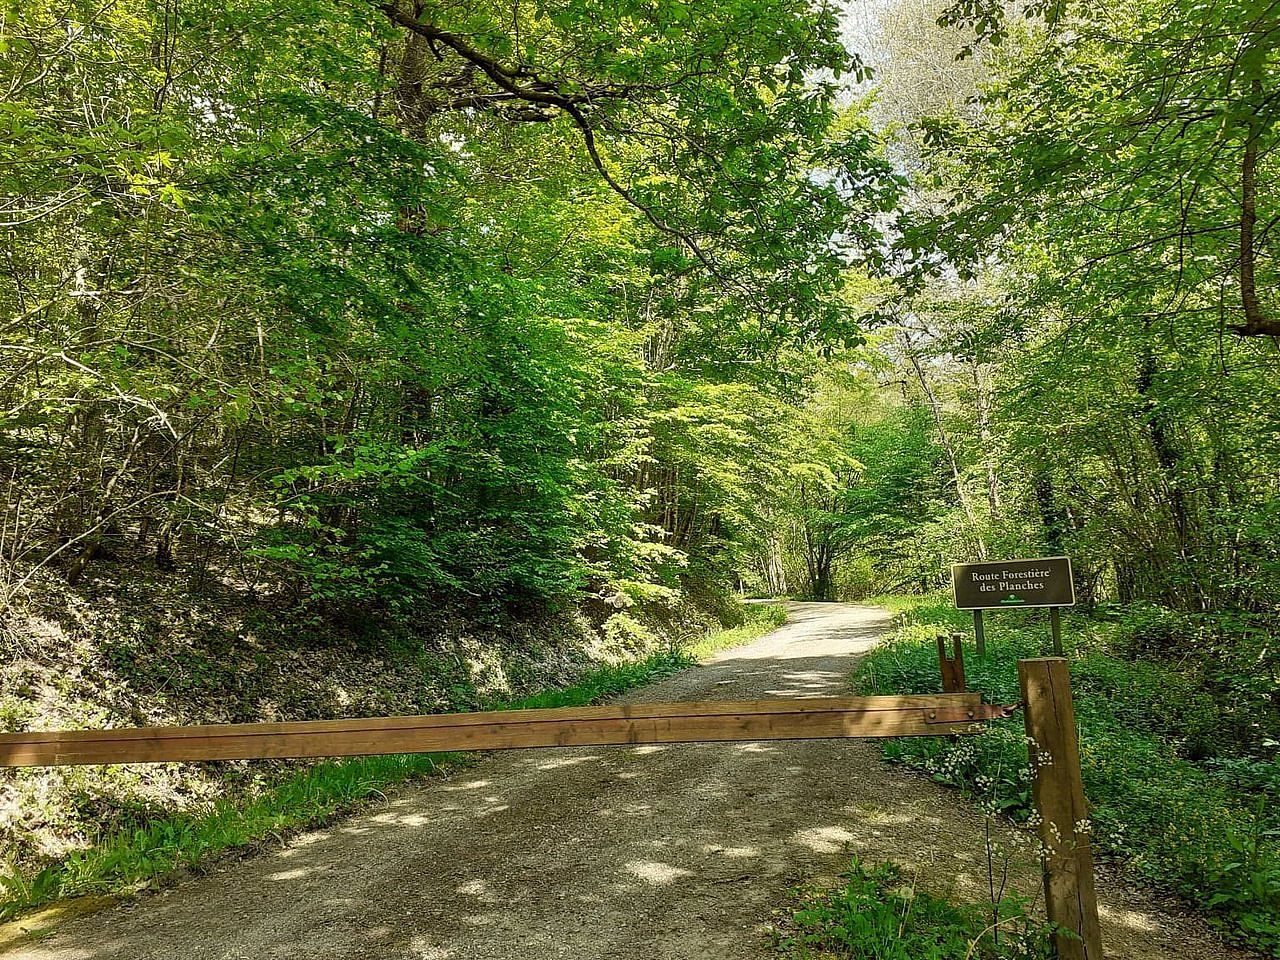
(1041, 582)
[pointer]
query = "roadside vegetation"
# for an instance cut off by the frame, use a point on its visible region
(878, 914)
(1179, 766)
(758, 618)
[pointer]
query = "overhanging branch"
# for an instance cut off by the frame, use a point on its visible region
(523, 84)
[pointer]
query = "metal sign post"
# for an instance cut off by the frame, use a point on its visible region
(1035, 582)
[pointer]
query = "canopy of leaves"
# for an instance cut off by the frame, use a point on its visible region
(394, 303)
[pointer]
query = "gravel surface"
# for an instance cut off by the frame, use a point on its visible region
(625, 853)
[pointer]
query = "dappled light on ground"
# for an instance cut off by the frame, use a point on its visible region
(561, 762)
(469, 785)
(653, 872)
(1129, 918)
(825, 839)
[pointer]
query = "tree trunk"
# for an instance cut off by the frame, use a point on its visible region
(1256, 322)
(1053, 519)
(982, 405)
(775, 574)
(1169, 462)
(936, 409)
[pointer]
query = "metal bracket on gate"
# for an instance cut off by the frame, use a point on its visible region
(983, 711)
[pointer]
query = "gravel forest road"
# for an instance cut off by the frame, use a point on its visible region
(625, 853)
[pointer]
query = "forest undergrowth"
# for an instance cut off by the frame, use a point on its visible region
(1180, 765)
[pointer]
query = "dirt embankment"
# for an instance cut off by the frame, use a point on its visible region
(144, 649)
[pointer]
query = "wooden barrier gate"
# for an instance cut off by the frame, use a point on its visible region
(1068, 865)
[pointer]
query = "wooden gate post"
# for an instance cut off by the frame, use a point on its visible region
(952, 665)
(1059, 798)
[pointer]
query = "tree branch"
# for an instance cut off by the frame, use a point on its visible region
(1256, 323)
(539, 92)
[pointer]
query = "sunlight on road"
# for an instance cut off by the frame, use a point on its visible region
(661, 874)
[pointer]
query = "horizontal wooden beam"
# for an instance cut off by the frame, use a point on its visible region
(803, 719)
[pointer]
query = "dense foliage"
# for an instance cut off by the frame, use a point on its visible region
(352, 323)
(408, 304)
(1082, 321)
(1068, 356)
(1089, 271)
(401, 307)
(385, 358)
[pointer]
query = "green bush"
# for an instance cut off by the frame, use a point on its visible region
(627, 636)
(1230, 657)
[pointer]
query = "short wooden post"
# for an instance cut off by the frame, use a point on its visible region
(1055, 626)
(979, 633)
(952, 667)
(1059, 798)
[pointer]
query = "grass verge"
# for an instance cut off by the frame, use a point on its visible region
(312, 795)
(758, 619)
(1175, 800)
(878, 915)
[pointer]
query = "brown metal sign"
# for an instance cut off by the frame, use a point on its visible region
(1039, 582)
